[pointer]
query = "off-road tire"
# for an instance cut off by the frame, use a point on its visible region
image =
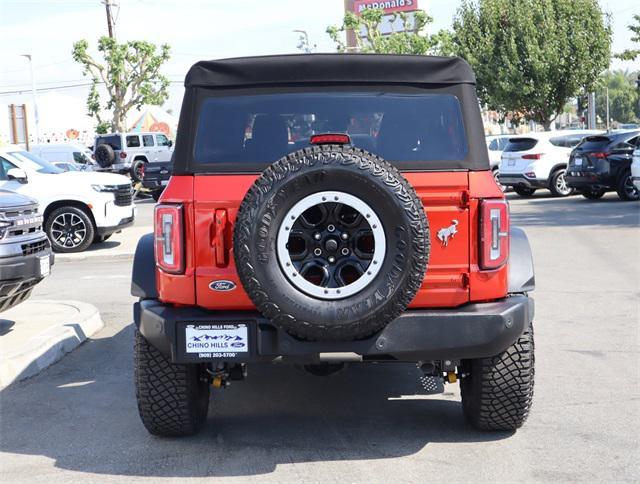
(524, 191)
(77, 212)
(137, 170)
(497, 392)
(173, 400)
(593, 194)
(622, 188)
(308, 171)
(553, 184)
(105, 156)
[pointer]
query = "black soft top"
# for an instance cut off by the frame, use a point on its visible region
(330, 68)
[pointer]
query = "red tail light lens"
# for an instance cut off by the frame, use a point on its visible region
(123, 154)
(325, 139)
(535, 156)
(599, 155)
(494, 234)
(169, 238)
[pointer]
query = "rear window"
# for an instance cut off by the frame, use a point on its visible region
(520, 144)
(112, 140)
(262, 128)
(594, 143)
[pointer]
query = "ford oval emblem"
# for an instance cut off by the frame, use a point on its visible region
(222, 286)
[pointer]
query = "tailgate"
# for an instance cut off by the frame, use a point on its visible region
(218, 197)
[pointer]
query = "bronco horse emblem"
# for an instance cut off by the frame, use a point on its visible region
(446, 233)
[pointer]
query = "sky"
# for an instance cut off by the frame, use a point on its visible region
(195, 30)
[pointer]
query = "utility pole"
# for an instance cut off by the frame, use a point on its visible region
(107, 5)
(607, 109)
(35, 98)
(591, 110)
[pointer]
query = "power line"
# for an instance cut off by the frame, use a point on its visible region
(54, 88)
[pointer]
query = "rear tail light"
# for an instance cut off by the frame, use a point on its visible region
(494, 233)
(123, 154)
(535, 156)
(169, 238)
(330, 138)
(600, 155)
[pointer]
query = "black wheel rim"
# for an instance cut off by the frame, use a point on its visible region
(331, 245)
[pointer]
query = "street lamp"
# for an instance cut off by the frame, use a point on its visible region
(35, 97)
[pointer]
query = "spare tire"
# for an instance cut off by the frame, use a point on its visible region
(105, 156)
(331, 243)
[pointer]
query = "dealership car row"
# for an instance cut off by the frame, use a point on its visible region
(588, 162)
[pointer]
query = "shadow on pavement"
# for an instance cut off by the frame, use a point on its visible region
(575, 211)
(279, 415)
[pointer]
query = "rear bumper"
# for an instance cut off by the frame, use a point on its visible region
(518, 180)
(472, 331)
(589, 180)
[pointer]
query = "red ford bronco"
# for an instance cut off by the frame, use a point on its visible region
(332, 208)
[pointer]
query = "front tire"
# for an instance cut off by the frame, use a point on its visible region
(173, 400)
(70, 229)
(524, 191)
(497, 391)
(558, 184)
(137, 170)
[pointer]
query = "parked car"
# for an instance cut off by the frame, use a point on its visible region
(58, 153)
(69, 166)
(495, 145)
(156, 178)
(79, 208)
(129, 153)
(603, 162)
(539, 160)
(25, 252)
(321, 258)
(635, 166)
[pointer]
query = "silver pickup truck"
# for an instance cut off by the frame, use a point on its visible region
(25, 252)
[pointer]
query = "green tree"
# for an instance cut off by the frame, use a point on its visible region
(131, 75)
(623, 97)
(531, 56)
(412, 39)
(632, 54)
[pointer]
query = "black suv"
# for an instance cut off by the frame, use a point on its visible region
(603, 162)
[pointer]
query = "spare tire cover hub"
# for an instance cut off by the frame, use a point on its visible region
(330, 266)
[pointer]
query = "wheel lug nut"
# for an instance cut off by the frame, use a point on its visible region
(332, 259)
(344, 236)
(317, 236)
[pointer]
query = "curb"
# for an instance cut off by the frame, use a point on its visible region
(90, 256)
(43, 349)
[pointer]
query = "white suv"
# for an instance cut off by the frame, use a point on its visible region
(635, 166)
(79, 208)
(539, 160)
(130, 152)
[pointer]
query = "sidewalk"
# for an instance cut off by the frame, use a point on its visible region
(36, 334)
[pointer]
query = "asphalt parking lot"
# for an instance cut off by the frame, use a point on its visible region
(78, 422)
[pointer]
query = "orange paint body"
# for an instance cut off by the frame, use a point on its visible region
(453, 275)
